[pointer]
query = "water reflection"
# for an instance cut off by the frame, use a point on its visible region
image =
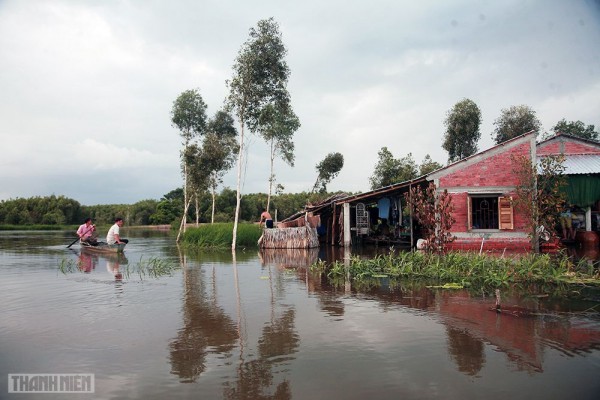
(209, 329)
(87, 262)
(261, 325)
(206, 328)
(466, 351)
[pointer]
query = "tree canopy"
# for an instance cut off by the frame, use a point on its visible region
(260, 75)
(462, 130)
(515, 121)
(390, 170)
(189, 116)
(576, 128)
(328, 169)
(428, 165)
(217, 155)
(278, 124)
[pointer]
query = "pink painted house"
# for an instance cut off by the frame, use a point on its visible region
(482, 187)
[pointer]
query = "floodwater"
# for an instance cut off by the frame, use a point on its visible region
(260, 326)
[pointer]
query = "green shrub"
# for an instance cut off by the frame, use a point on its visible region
(470, 269)
(220, 236)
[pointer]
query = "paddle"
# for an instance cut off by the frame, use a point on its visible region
(69, 246)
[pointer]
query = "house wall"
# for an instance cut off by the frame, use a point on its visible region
(566, 147)
(491, 172)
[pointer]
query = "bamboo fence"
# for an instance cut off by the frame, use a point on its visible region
(302, 237)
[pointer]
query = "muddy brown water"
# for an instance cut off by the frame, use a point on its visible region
(260, 326)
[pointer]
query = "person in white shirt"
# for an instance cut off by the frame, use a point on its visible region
(113, 233)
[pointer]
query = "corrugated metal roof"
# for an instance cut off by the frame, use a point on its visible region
(577, 164)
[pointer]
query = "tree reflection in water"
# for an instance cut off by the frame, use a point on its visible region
(204, 325)
(467, 351)
(207, 328)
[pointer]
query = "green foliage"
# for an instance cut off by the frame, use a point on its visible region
(389, 170)
(189, 115)
(462, 130)
(153, 267)
(278, 124)
(37, 227)
(428, 165)
(169, 208)
(461, 269)
(539, 193)
(328, 169)
(576, 128)
(434, 212)
(142, 211)
(220, 236)
(515, 121)
(49, 210)
(260, 75)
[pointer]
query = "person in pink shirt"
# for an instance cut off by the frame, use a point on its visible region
(87, 232)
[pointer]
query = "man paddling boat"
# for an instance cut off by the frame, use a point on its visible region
(87, 232)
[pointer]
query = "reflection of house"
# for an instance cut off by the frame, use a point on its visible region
(482, 187)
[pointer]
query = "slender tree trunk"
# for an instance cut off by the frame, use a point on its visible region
(239, 184)
(182, 224)
(185, 196)
(271, 176)
(212, 218)
(197, 213)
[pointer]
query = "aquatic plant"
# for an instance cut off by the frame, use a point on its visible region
(466, 269)
(220, 236)
(153, 267)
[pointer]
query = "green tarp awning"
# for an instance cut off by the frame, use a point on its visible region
(583, 190)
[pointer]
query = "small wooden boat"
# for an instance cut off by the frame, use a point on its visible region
(103, 247)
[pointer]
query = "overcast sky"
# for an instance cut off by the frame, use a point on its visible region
(86, 87)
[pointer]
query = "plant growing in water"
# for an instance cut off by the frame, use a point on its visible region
(433, 211)
(540, 193)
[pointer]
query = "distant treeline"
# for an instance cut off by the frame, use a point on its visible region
(60, 210)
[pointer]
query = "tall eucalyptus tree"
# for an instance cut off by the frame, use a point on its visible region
(218, 152)
(462, 130)
(328, 169)
(189, 116)
(515, 121)
(260, 76)
(278, 124)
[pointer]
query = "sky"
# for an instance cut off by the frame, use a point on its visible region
(87, 86)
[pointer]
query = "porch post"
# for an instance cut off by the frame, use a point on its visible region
(588, 218)
(347, 237)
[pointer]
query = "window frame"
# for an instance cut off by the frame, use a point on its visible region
(505, 218)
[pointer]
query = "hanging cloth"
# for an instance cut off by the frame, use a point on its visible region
(384, 207)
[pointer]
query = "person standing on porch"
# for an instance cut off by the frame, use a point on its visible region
(566, 223)
(266, 217)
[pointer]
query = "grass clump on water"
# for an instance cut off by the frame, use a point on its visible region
(466, 269)
(220, 236)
